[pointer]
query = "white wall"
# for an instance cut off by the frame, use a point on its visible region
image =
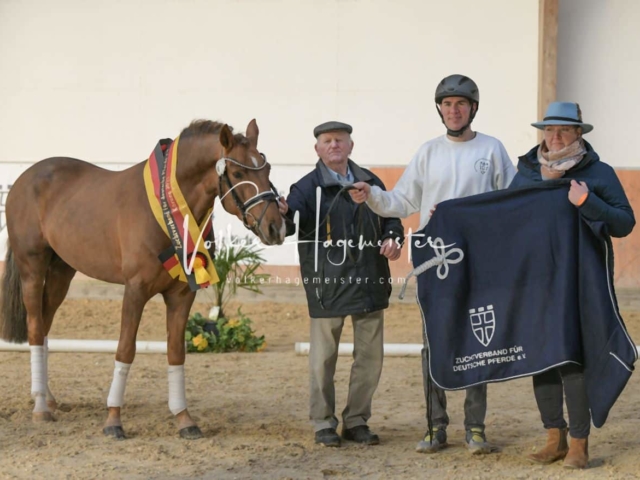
(103, 81)
(599, 67)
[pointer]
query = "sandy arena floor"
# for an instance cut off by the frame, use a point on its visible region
(253, 411)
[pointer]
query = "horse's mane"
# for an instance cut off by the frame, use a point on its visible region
(208, 127)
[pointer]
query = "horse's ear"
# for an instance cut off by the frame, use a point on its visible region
(253, 132)
(226, 138)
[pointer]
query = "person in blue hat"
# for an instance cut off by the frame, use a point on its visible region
(596, 191)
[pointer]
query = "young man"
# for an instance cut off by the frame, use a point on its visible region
(342, 279)
(458, 164)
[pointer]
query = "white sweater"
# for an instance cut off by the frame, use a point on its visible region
(441, 170)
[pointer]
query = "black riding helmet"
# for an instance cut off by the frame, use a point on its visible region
(458, 86)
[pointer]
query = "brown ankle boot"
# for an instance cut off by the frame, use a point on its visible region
(555, 449)
(578, 455)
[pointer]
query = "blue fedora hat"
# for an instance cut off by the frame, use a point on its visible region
(563, 113)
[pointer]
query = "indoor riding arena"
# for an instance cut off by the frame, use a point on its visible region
(97, 98)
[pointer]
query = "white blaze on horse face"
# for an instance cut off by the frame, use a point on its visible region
(283, 232)
(255, 162)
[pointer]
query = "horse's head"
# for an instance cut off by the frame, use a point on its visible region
(244, 186)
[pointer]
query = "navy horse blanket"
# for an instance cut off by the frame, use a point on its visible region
(524, 284)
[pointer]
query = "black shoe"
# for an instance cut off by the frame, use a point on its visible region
(361, 434)
(328, 437)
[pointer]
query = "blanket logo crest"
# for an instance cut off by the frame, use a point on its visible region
(483, 323)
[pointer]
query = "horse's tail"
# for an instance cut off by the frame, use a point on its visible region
(13, 315)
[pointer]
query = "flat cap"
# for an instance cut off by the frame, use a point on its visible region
(331, 127)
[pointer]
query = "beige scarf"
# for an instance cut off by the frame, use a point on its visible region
(562, 160)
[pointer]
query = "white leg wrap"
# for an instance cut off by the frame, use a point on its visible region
(39, 378)
(50, 396)
(116, 393)
(177, 398)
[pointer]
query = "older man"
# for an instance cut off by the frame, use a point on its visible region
(344, 251)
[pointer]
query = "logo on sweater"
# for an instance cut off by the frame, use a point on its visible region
(482, 166)
(483, 323)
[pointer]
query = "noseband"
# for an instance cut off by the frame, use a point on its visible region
(265, 197)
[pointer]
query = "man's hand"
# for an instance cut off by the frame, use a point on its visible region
(361, 192)
(578, 193)
(282, 206)
(390, 249)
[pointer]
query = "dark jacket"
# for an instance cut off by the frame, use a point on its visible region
(347, 280)
(606, 202)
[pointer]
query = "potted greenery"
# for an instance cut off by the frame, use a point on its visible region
(237, 263)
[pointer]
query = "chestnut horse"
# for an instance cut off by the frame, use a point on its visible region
(66, 215)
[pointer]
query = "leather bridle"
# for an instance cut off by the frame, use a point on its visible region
(265, 197)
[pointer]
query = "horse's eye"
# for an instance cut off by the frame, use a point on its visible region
(264, 157)
(237, 175)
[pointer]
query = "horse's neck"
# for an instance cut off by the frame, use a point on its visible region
(197, 178)
(199, 201)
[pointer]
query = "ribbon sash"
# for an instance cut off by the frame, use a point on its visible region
(187, 259)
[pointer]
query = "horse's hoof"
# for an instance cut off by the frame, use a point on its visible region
(42, 417)
(115, 431)
(191, 433)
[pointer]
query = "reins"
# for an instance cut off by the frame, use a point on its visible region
(360, 212)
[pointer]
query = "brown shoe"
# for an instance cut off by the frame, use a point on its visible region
(555, 449)
(578, 456)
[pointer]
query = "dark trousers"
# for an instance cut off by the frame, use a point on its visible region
(548, 388)
(475, 403)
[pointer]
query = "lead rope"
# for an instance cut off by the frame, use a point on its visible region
(429, 407)
(441, 260)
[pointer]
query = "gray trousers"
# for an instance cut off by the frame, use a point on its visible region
(475, 403)
(365, 370)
